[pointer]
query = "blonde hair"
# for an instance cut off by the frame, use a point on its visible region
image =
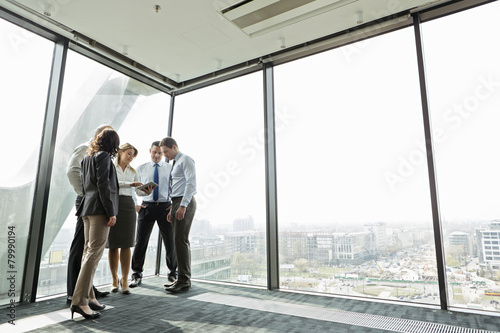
(124, 147)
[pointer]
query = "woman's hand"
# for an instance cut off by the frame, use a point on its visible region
(138, 208)
(135, 184)
(112, 221)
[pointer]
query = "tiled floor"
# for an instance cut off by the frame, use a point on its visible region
(220, 308)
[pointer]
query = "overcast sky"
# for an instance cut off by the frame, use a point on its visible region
(350, 132)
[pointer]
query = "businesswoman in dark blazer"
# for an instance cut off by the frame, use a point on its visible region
(98, 209)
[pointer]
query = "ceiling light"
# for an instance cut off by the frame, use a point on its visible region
(257, 17)
(157, 8)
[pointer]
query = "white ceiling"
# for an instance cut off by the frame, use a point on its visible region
(187, 39)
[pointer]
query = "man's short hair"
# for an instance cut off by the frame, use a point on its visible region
(169, 142)
(99, 129)
(155, 143)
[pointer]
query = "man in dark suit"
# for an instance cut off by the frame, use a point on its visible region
(155, 207)
(76, 249)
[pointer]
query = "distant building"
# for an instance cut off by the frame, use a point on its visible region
(403, 238)
(462, 240)
(211, 261)
(488, 242)
(244, 224)
(319, 246)
(354, 246)
(379, 229)
(201, 228)
(244, 242)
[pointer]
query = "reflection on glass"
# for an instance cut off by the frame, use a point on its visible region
(221, 128)
(26, 62)
(353, 198)
(463, 80)
(94, 95)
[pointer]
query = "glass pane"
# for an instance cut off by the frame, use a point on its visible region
(221, 128)
(94, 95)
(463, 80)
(25, 62)
(353, 199)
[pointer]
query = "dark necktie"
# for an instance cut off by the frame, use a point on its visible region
(170, 179)
(155, 191)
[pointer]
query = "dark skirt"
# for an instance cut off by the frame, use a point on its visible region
(122, 234)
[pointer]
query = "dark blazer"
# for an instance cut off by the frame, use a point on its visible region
(100, 186)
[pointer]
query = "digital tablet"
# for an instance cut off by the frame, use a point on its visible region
(142, 187)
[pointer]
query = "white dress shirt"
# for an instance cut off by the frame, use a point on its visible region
(125, 178)
(183, 178)
(75, 166)
(146, 173)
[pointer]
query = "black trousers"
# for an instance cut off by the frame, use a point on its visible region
(75, 252)
(181, 236)
(145, 223)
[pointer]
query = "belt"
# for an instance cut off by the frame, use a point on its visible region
(176, 198)
(155, 203)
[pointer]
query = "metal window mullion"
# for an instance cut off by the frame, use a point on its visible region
(169, 133)
(271, 185)
(436, 220)
(171, 115)
(45, 164)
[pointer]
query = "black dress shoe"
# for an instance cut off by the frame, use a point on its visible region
(135, 282)
(172, 277)
(99, 294)
(96, 307)
(69, 299)
(178, 287)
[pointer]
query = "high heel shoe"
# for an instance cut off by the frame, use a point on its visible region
(77, 309)
(96, 307)
(115, 286)
(124, 284)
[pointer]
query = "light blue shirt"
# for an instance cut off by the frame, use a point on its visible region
(183, 178)
(146, 173)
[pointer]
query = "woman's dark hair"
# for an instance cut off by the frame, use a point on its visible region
(108, 141)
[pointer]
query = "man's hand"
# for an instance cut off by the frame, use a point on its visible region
(169, 217)
(179, 214)
(138, 208)
(112, 221)
(148, 190)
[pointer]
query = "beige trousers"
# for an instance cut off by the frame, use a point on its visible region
(96, 233)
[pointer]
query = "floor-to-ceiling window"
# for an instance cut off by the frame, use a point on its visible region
(25, 62)
(353, 196)
(94, 94)
(461, 54)
(221, 127)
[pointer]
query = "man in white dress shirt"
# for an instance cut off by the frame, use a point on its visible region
(155, 207)
(183, 189)
(78, 243)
